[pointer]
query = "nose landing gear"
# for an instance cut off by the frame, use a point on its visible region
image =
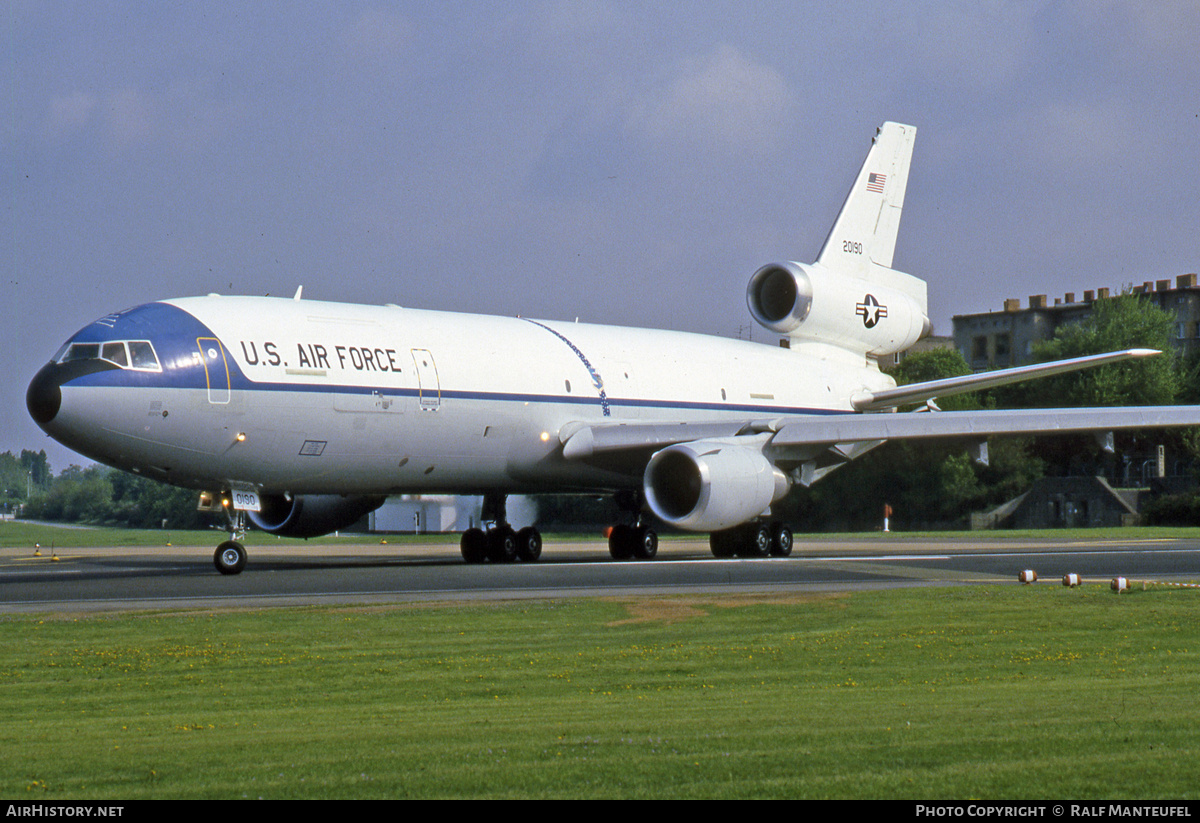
(230, 557)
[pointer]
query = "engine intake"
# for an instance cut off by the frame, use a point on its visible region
(311, 515)
(710, 485)
(878, 315)
(780, 296)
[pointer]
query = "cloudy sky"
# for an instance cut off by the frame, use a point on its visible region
(621, 162)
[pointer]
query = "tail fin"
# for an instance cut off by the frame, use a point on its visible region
(851, 298)
(865, 229)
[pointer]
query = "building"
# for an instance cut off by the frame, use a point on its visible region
(427, 514)
(999, 339)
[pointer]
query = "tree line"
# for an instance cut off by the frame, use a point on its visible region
(104, 496)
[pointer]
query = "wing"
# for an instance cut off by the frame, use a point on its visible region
(800, 434)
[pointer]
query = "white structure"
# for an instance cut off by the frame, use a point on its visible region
(428, 513)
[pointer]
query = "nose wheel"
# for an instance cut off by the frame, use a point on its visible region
(230, 557)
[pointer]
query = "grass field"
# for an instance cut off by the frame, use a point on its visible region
(967, 692)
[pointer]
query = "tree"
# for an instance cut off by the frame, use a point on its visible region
(1115, 324)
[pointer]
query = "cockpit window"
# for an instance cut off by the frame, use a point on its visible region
(141, 355)
(128, 354)
(81, 351)
(114, 353)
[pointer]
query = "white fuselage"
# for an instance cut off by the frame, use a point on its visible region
(307, 397)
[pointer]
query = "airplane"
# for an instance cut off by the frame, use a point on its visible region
(302, 416)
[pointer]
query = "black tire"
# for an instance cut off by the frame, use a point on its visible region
(529, 544)
(723, 544)
(502, 544)
(781, 540)
(474, 546)
(754, 540)
(621, 542)
(645, 543)
(230, 557)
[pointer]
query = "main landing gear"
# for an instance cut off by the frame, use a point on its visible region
(501, 543)
(754, 539)
(632, 542)
(637, 542)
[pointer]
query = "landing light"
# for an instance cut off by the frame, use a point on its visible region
(241, 437)
(545, 437)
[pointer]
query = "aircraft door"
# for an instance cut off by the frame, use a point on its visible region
(216, 369)
(429, 387)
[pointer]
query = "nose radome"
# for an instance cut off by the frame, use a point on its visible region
(44, 397)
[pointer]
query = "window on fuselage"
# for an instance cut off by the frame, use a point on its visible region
(142, 356)
(115, 353)
(82, 351)
(128, 354)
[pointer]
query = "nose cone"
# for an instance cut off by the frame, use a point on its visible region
(44, 395)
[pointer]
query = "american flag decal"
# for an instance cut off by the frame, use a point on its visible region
(875, 182)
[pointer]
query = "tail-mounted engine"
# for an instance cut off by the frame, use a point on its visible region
(877, 316)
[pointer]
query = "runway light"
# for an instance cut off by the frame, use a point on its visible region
(1119, 584)
(1071, 580)
(1027, 576)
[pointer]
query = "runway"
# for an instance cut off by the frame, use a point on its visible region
(84, 580)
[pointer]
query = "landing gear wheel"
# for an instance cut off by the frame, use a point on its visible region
(474, 546)
(621, 542)
(230, 557)
(755, 540)
(723, 543)
(529, 544)
(502, 544)
(645, 545)
(781, 540)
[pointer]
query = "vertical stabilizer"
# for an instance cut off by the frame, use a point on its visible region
(865, 229)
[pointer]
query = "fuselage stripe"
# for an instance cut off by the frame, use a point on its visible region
(597, 381)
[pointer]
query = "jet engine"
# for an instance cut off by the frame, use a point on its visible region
(877, 316)
(311, 515)
(709, 485)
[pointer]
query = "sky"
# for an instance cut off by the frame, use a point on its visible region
(629, 163)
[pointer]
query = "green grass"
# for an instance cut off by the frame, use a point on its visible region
(994, 692)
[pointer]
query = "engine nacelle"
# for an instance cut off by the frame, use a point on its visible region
(883, 315)
(709, 485)
(311, 515)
